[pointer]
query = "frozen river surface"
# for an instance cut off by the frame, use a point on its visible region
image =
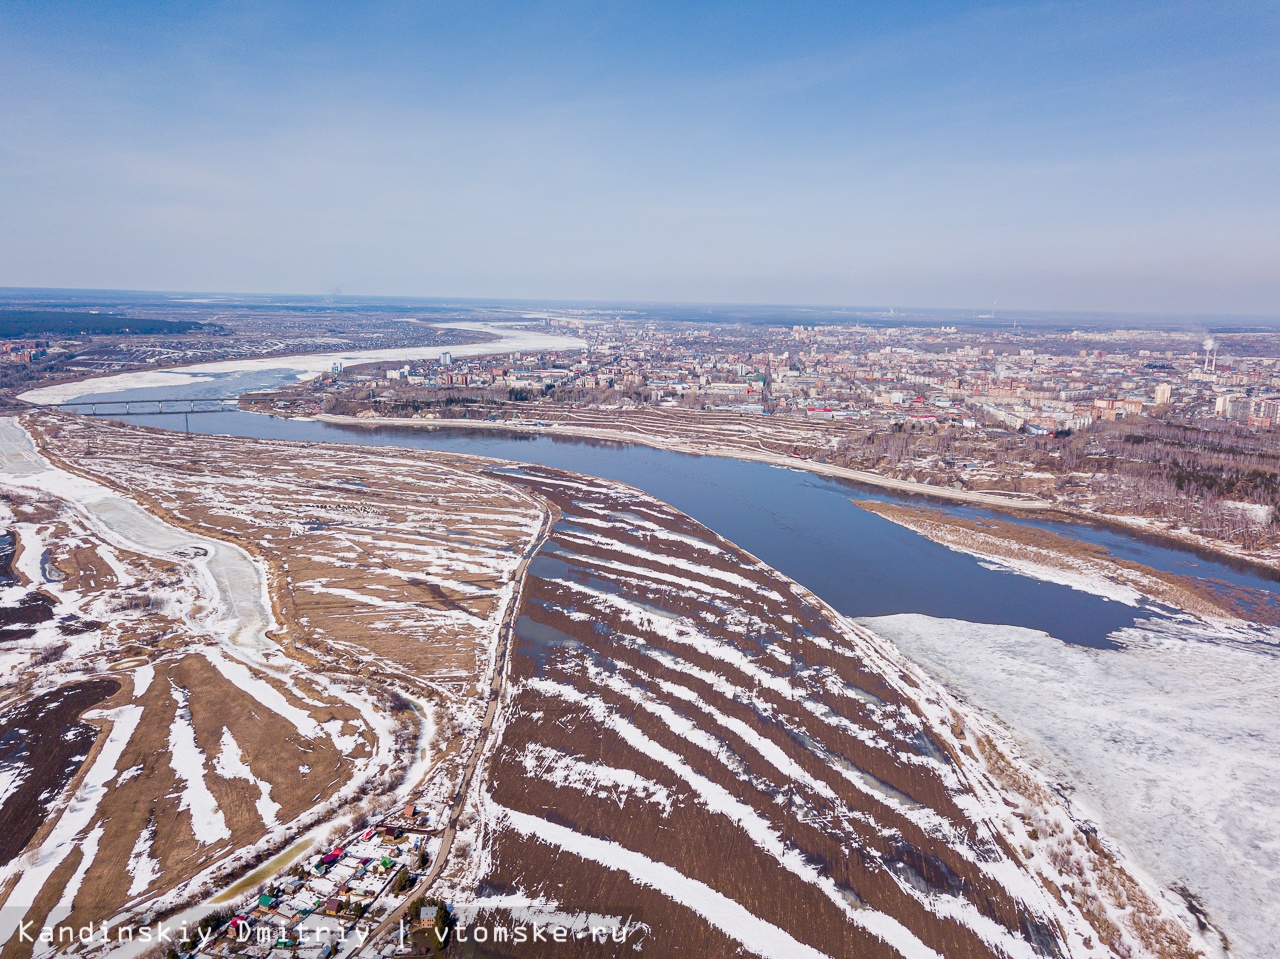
(302, 367)
(236, 607)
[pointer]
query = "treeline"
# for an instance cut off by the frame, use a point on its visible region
(22, 324)
(1216, 460)
(1214, 477)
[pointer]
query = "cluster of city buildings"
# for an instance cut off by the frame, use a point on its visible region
(1035, 381)
(23, 351)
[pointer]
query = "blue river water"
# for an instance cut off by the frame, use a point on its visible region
(804, 525)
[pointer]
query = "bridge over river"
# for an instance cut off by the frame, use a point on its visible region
(160, 406)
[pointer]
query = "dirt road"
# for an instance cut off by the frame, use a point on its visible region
(497, 686)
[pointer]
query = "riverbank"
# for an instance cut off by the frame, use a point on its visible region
(809, 522)
(703, 449)
(1142, 527)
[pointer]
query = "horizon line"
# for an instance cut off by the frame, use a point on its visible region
(606, 302)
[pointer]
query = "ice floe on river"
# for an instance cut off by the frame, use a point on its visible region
(1170, 741)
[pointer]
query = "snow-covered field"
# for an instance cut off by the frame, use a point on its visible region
(223, 746)
(731, 698)
(155, 814)
(1172, 743)
(305, 366)
(392, 560)
(330, 670)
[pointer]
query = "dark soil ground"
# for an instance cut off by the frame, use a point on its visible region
(45, 737)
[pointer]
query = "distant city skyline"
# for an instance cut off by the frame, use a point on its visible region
(1113, 157)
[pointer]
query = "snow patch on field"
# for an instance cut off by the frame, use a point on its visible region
(30, 549)
(230, 764)
(10, 779)
(720, 800)
(34, 868)
(88, 853)
(760, 937)
(240, 676)
(112, 559)
(207, 822)
(142, 677)
(144, 869)
(595, 779)
(689, 567)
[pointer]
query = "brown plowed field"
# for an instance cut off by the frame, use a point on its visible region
(673, 697)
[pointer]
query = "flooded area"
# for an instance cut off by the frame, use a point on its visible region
(8, 545)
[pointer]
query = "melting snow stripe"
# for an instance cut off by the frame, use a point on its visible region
(230, 764)
(758, 936)
(77, 816)
(207, 822)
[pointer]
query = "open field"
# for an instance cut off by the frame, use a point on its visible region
(164, 756)
(383, 611)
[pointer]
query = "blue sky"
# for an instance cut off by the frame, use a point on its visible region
(1113, 156)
